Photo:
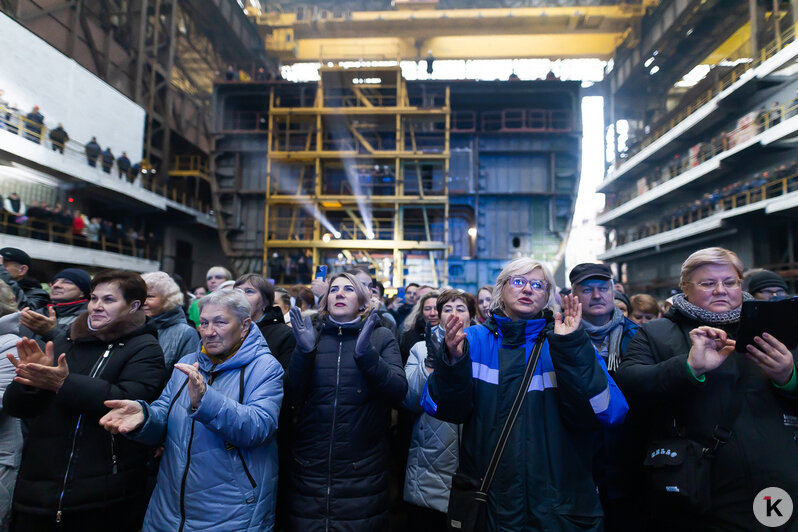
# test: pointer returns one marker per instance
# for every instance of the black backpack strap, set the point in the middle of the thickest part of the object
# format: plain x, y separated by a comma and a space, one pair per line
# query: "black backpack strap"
515, 409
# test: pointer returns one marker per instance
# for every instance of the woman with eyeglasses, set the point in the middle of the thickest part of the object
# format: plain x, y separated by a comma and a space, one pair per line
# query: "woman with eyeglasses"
684, 373
544, 479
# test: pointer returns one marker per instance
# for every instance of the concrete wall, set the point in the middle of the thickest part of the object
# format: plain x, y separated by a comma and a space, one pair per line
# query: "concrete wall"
34, 73
206, 251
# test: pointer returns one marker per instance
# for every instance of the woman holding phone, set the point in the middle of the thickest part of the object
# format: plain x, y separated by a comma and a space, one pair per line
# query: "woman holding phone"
684, 372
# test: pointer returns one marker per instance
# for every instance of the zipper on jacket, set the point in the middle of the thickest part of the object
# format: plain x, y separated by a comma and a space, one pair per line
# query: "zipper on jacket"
332, 431
113, 456
183, 480
94, 372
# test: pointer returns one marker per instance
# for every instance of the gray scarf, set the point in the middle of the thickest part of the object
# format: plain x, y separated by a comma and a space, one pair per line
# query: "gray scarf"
613, 328
707, 316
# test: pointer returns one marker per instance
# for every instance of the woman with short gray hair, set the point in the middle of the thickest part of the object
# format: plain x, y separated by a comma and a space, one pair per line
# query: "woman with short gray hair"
163, 305
217, 419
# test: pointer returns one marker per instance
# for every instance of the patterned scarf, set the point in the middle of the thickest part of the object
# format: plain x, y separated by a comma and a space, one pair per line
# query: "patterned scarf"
613, 328
707, 316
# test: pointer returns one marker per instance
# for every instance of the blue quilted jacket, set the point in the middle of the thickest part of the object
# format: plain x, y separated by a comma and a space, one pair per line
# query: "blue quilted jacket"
219, 468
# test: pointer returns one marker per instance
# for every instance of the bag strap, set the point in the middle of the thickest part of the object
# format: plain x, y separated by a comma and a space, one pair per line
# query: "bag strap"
504, 436
723, 431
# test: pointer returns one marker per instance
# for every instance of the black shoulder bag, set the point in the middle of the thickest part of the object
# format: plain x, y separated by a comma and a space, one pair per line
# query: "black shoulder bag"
468, 497
679, 469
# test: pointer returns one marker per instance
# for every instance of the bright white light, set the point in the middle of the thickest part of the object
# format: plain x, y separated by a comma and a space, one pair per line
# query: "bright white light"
654, 70
472, 232
648, 62
370, 235
326, 237
337, 234
694, 76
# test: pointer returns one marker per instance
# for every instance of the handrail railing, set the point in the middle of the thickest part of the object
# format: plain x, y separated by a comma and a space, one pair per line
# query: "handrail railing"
740, 67
18, 124
771, 117
709, 205
47, 230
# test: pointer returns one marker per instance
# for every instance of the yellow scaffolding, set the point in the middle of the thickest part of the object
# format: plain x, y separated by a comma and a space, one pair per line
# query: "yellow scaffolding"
365, 169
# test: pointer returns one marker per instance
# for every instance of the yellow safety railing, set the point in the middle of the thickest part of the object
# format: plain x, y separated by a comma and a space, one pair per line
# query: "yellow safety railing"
739, 68
766, 119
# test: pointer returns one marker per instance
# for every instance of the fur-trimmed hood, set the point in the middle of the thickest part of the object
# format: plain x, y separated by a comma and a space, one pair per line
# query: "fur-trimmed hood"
125, 326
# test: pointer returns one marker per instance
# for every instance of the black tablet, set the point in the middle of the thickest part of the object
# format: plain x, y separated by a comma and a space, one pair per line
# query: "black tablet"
777, 318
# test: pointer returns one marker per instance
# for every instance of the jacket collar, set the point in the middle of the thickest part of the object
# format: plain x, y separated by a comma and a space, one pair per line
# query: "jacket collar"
518, 332
9, 324
271, 316
166, 319
123, 327
70, 308
345, 329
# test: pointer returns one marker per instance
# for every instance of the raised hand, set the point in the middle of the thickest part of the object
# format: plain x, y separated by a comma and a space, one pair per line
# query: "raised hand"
711, 348
38, 323
31, 371
196, 382
125, 416
29, 352
773, 357
570, 318
455, 336
364, 338
303, 330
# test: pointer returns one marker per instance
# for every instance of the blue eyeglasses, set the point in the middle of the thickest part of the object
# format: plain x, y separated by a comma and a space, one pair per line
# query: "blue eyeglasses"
519, 282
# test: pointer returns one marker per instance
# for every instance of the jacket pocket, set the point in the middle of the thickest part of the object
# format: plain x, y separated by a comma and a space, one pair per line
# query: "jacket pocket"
242, 474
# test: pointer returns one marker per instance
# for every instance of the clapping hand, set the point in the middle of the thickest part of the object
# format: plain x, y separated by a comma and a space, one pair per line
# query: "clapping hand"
35, 368
364, 338
303, 330
773, 357
455, 336
570, 318
125, 416
196, 382
711, 347
38, 323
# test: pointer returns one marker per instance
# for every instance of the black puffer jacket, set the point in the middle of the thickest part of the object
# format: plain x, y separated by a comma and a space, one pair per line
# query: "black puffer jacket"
102, 470
340, 449
762, 451
278, 335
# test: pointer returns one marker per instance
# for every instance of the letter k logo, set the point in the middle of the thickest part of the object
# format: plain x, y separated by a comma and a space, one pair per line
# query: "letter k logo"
772, 507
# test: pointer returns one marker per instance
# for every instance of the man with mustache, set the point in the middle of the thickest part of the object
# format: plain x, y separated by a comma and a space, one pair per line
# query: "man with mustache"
610, 332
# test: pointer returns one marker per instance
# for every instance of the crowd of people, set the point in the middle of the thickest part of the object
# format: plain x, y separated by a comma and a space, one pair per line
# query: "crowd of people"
706, 149
760, 186
34, 129
130, 401
62, 224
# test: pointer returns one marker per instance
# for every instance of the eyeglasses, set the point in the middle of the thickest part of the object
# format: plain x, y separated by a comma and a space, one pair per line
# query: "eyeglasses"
710, 284
519, 282
773, 292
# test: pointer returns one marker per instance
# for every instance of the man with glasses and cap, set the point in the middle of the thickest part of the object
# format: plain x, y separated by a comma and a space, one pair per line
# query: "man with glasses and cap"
766, 285
610, 332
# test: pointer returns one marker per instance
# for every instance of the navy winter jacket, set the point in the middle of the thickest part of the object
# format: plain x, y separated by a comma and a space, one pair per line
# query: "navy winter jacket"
544, 479
340, 438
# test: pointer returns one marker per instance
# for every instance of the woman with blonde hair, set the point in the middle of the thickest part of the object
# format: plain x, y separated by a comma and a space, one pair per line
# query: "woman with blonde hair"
484, 295
734, 407
342, 381
544, 477
164, 308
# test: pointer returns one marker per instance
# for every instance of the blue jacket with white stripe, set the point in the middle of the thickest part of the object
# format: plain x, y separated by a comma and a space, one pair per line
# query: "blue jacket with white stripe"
544, 479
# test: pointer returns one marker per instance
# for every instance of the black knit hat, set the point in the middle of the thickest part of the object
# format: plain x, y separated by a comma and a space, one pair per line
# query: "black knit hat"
79, 277
765, 279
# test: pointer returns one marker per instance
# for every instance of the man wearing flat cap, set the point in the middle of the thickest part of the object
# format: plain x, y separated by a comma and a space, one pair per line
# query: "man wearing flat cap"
17, 263
70, 290
766, 285
610, 332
